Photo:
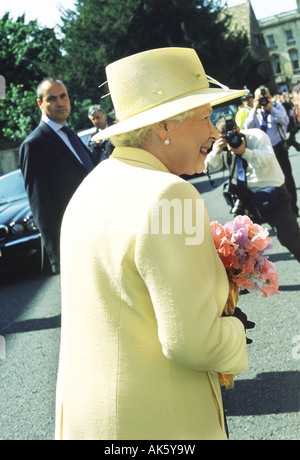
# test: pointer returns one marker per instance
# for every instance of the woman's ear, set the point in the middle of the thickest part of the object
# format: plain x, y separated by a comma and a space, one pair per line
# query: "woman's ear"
162, 130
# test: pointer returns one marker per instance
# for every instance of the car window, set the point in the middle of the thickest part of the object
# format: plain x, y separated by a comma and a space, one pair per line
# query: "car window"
223, 111
85, 138
12, 187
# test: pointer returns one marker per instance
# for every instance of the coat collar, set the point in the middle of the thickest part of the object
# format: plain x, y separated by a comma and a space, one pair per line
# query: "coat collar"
138, 157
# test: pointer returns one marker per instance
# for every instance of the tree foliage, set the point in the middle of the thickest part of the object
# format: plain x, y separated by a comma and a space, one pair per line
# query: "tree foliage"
102, 31
27, 54
98, 32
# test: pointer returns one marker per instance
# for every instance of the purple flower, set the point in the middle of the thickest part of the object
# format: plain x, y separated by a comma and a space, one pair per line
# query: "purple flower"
238, 231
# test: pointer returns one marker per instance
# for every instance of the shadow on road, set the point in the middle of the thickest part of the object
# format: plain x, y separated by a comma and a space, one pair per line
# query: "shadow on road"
29, 325
268, 393
17, 289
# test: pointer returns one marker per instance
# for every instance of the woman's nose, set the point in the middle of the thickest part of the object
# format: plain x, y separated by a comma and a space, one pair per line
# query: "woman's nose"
214, 132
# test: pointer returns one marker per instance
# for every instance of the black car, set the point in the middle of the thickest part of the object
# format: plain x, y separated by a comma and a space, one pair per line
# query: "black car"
20, 240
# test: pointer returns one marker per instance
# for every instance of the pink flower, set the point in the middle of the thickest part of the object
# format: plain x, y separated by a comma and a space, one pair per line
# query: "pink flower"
240, 245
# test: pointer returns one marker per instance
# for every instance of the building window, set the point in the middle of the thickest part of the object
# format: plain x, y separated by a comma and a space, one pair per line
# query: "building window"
259, 39
271, 41
276, 64
289, 36
294, 59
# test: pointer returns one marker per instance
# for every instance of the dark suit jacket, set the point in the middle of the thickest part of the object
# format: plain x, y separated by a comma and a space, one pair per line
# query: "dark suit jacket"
104, 150
52, 173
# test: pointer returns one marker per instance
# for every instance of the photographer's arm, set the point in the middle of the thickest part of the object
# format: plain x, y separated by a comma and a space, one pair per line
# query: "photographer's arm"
280, 115
252, 121
259, 152
214, 160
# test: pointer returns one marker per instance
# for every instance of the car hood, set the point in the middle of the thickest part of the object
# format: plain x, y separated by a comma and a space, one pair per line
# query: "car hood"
14, 212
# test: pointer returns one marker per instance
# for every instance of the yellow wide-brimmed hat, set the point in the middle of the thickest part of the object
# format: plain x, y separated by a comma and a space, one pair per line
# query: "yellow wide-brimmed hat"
155, 85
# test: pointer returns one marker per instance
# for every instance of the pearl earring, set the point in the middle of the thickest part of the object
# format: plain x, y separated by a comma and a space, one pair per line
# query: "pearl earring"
167, 141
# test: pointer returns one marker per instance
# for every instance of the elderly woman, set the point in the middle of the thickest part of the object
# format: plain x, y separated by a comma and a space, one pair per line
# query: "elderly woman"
143, 290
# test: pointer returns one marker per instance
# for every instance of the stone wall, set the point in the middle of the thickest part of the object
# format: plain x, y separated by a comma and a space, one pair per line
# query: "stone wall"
9, 157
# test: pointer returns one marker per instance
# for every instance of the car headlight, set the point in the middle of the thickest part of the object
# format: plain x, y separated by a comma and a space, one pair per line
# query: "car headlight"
30, 224
17, 228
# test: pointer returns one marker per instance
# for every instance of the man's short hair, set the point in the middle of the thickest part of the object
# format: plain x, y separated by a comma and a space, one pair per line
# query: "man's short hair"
47, 79
95, 108
222, 124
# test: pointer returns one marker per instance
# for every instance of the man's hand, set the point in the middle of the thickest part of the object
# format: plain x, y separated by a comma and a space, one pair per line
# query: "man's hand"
220, 145
256, 104
241, 150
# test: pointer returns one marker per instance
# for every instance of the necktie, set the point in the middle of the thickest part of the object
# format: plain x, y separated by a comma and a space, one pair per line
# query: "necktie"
264, 124
241, 171
76, 144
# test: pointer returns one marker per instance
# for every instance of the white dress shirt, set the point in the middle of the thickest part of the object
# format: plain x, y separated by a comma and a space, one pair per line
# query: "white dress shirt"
263, 168
57, 129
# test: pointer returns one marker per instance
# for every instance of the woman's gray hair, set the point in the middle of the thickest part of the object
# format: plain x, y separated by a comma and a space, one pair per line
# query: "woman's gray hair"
138, 137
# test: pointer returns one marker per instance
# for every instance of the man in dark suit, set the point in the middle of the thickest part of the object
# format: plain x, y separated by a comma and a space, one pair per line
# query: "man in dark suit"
54, 162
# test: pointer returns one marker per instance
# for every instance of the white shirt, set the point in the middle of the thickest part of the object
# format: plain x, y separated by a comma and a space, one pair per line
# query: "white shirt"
263, 168
57, 129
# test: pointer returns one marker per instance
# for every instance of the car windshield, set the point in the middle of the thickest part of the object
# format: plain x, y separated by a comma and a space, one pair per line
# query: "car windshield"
12, 187
223, 111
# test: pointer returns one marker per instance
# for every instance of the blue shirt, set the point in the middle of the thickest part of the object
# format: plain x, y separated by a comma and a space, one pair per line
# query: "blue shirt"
277, 115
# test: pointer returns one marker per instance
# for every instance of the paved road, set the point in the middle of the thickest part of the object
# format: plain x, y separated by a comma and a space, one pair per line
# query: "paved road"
264, 404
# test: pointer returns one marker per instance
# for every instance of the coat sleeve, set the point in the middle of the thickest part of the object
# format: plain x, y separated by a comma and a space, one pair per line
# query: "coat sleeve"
187, 284
40, 195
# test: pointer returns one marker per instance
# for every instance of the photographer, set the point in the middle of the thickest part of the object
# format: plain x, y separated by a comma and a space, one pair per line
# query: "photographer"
256, 180
273, 120
293, 127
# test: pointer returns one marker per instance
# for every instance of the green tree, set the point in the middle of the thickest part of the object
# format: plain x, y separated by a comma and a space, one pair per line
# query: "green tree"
27, 51
27, 54
102, 31
19, 113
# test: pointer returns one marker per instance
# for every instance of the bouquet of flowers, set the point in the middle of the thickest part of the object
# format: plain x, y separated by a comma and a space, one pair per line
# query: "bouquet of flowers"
241, 246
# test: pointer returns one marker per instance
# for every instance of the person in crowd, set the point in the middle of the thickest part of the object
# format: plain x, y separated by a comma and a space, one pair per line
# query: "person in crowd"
293, 127
103, 148
259, 173
143, 336
273, 120
244, 110
54, 162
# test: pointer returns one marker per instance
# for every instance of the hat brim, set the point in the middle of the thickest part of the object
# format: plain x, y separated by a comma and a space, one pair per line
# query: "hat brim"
169, 109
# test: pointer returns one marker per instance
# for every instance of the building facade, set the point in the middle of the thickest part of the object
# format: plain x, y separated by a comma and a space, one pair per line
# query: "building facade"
243, 17
282, 36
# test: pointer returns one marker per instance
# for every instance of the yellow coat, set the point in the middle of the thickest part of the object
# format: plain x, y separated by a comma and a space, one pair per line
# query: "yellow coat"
142, 336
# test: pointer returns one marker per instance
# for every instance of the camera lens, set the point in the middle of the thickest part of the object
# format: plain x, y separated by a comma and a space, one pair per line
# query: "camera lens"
234, 139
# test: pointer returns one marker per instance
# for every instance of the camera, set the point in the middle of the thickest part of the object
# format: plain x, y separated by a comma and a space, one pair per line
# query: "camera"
263, 100
233, 137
